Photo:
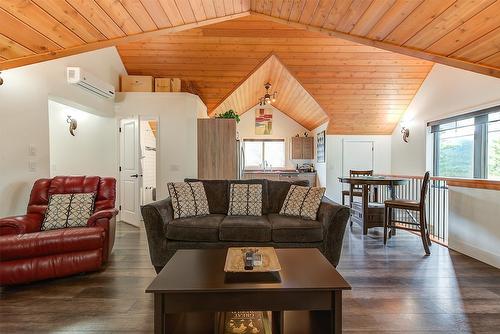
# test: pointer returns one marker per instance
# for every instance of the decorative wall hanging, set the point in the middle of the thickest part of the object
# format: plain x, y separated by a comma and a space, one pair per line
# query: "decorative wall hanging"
320, 146
263, 121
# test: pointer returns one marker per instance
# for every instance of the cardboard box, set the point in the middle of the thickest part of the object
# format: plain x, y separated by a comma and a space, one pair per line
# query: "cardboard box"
167, 85
163, 85
136, 83
175, 85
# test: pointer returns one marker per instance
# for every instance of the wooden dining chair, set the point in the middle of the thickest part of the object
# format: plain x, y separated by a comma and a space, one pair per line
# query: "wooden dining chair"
419, 225
358, 189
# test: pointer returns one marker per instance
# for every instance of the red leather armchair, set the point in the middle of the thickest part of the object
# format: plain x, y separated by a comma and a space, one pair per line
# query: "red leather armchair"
28, 254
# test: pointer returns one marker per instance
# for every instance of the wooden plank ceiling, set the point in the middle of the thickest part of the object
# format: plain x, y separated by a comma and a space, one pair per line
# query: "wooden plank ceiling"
327, 45
292, 98
362, 89
37, 30
461, 33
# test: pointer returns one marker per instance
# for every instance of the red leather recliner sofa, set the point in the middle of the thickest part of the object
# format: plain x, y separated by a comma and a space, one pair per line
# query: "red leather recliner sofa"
28, 254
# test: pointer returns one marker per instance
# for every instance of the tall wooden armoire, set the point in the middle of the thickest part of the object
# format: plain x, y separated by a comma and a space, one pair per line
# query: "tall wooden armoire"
217, 151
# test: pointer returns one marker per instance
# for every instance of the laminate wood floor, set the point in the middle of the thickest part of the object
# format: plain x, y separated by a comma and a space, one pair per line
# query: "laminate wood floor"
395, 290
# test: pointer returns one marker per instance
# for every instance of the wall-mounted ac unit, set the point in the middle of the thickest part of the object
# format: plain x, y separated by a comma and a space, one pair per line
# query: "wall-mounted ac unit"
77, 76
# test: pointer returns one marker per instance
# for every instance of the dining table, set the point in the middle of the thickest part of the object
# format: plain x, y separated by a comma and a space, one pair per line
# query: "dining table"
369, 212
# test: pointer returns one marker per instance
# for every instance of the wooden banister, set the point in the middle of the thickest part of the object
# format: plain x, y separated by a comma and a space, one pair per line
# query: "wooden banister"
457, 182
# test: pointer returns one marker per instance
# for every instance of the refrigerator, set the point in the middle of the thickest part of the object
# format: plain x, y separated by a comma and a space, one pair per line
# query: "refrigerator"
240, 159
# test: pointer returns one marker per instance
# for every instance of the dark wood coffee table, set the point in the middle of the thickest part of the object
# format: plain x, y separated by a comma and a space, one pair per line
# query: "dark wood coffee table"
190, 290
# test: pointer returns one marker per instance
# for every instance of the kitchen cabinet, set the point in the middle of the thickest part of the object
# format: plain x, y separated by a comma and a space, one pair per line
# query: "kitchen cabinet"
302, 148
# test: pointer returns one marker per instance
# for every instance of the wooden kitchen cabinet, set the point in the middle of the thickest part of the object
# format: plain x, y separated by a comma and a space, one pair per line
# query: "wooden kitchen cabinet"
302, 148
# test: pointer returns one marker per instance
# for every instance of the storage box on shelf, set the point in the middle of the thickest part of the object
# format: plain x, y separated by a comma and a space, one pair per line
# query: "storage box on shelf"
167, 85
136, 83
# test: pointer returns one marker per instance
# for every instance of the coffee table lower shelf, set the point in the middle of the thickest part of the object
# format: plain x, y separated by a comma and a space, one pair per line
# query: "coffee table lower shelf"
297, 322
282, 322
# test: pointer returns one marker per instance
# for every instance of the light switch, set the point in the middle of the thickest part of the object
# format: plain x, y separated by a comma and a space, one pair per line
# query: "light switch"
32, 166
31, 150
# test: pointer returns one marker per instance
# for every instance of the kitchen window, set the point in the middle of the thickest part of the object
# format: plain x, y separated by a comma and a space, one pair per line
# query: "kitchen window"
264, 153
468, 146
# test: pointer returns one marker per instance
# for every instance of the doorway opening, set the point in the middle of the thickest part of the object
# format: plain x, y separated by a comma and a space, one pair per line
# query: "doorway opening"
138, 166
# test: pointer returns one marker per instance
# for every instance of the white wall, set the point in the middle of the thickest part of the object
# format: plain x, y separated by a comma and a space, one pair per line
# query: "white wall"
445, 92
283, 128
177, 131
25, 118
334, 160
474, 230
92, 151
321, 176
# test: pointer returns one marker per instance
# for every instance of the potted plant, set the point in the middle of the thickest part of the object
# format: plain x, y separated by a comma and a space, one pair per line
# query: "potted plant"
229, 114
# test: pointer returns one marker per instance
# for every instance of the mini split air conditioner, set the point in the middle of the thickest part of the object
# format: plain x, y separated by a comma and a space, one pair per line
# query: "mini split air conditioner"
77, 76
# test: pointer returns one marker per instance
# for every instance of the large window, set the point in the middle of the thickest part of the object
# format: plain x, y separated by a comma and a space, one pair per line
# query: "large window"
268, 153
468, 146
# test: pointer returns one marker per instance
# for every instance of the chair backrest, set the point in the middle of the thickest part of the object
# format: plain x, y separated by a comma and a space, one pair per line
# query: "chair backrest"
424, 188
354, 173
104, 187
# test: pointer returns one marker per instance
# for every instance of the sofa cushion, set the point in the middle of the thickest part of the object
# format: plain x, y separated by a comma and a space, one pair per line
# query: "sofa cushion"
302, 202
217, 194
68, 210
245, 200
188, 199
262, 182
293, 229
245, 228
205, 228
277, 190
68, 240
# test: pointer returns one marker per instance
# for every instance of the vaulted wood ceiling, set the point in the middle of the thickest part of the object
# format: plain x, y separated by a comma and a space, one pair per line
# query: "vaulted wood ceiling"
348, 54
362, 89
292, 99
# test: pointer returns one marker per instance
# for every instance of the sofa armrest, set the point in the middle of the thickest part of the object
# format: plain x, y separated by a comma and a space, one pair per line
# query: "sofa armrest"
29, 223
156, 216
107, 220
334, 218
103, 214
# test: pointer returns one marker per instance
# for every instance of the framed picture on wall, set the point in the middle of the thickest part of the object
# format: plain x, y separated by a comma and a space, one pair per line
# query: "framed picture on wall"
320, 147
263, 121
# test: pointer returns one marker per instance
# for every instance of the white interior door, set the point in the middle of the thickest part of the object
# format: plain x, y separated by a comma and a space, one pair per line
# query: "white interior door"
356, 155
130, 171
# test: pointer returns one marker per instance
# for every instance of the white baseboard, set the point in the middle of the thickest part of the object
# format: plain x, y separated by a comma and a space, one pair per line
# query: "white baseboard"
474, 252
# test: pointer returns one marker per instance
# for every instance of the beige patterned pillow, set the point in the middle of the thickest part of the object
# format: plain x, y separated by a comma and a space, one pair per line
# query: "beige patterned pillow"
68, 210
188, 199
302, 202
245, 199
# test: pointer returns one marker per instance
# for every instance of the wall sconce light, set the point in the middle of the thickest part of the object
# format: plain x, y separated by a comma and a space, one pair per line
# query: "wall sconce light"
1, 80
406, 133
72, 124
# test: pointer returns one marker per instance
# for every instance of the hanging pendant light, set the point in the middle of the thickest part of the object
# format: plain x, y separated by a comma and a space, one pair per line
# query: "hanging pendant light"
268, 98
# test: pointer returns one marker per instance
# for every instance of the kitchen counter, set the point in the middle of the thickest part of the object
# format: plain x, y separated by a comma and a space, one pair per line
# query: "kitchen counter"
287, 171
281, 175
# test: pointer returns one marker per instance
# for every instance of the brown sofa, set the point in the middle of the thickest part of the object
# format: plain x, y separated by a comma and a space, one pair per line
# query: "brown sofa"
216, 230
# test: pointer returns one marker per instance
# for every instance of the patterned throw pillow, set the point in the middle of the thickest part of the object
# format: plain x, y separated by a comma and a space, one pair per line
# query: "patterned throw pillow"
68, 210
188, 199
245, 199
302, 202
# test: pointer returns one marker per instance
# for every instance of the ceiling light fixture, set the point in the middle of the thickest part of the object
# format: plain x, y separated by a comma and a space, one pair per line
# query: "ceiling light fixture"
1, 80
268, 98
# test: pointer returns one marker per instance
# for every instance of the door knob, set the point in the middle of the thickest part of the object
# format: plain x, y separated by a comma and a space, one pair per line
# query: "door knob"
135, 175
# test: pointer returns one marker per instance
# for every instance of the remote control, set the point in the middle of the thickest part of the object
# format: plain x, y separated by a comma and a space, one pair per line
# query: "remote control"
249, 261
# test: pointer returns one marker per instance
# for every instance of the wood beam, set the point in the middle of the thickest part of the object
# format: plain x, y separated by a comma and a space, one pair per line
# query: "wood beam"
40, 57
465, 65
